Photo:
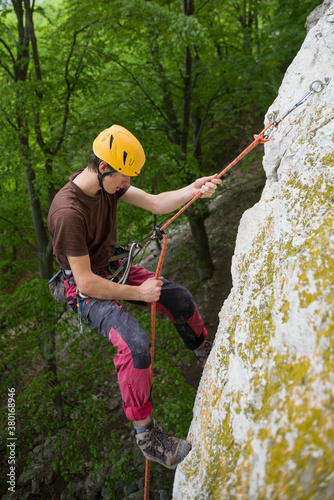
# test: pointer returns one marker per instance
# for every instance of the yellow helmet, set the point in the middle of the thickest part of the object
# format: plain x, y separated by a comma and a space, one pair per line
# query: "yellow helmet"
120, 149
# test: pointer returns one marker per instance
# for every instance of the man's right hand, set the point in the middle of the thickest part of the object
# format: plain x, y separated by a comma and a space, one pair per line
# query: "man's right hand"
95, 286
151, 290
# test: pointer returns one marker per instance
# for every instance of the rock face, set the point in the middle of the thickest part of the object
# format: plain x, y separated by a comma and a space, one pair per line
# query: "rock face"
263, 425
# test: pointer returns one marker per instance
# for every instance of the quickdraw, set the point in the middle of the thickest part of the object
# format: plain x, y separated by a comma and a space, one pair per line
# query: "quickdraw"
315, 88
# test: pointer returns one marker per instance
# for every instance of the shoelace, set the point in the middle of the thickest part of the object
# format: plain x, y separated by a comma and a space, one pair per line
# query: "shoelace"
157, 436
205, 350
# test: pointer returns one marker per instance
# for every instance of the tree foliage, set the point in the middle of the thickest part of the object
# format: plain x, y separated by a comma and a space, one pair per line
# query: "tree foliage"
182, 76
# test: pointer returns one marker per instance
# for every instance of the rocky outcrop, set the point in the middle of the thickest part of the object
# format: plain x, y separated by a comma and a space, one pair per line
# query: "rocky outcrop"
263, 425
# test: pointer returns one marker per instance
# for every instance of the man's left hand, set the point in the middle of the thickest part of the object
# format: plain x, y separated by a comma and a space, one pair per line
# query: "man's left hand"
207, 185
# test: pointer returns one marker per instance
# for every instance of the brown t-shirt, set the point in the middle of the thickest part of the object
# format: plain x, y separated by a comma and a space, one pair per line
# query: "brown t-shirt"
80, 224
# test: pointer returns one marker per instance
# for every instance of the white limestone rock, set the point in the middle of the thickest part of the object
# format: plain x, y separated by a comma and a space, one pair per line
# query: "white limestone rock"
263, 425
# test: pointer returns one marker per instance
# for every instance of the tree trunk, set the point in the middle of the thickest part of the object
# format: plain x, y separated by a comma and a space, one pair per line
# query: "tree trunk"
47, 336
48, 350
201, 243
44, 248
51, 190
186, 101
194, 214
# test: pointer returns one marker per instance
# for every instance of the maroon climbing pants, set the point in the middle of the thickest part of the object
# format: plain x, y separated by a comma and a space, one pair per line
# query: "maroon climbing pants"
121, 329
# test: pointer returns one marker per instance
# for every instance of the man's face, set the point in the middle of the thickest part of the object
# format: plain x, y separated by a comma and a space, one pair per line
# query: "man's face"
115, 182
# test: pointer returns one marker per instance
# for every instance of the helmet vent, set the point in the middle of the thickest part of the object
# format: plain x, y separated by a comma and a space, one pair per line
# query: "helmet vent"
125, 154
111, 140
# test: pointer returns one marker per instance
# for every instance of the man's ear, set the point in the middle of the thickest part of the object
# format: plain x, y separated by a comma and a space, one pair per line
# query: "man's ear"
103, 167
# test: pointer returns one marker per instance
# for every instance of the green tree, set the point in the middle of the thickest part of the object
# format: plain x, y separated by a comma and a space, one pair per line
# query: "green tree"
40, 85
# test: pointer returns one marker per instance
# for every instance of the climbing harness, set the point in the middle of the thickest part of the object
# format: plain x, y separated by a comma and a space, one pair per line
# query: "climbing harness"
119, 273
264, 136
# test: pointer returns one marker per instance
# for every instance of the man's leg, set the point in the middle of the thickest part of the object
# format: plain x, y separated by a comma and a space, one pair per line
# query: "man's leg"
178, 303
132, 364
181, 308
133, 359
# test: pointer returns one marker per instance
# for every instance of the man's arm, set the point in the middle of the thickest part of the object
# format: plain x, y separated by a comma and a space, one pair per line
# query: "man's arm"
95, 286
166, 202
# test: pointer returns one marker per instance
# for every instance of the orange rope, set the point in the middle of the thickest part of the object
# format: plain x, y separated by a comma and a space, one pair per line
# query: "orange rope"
153, 315
258, 139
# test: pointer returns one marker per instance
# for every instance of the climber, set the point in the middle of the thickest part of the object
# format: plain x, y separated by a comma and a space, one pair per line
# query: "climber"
82, 225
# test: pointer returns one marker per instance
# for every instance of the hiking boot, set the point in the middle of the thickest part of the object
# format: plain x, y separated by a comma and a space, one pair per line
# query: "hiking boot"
157, 446
203, 353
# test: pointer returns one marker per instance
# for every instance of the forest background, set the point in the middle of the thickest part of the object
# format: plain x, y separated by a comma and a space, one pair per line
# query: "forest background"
186, 78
